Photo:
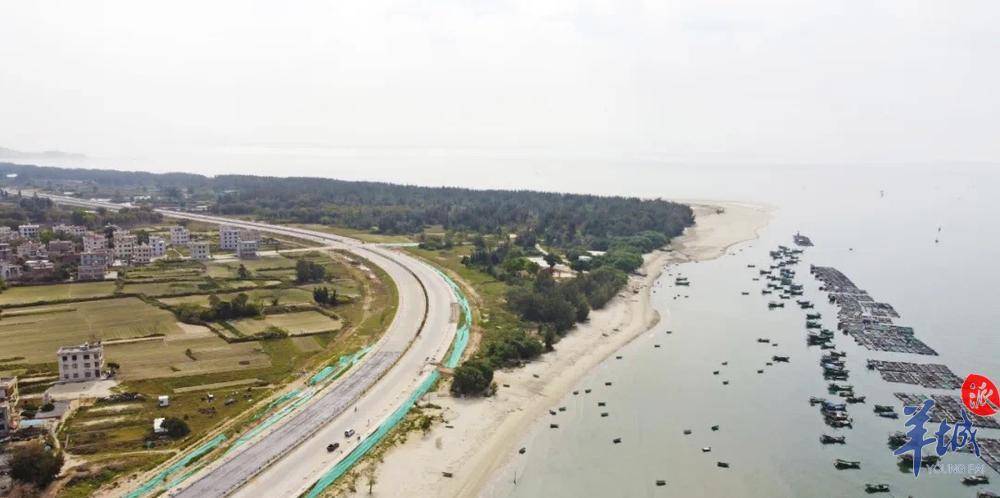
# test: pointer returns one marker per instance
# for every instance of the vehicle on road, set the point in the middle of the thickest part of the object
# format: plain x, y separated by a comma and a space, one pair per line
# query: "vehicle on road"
348, 433
330, 448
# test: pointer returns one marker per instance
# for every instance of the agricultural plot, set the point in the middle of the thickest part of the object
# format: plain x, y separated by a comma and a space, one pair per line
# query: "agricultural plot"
59, 292
296, 323
197, 353
284, 296
37, 332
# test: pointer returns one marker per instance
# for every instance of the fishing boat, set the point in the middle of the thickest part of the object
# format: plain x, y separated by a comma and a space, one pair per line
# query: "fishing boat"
876, 488
783, 359
975, 480
616, 440
897, 439
884, 408
906, 460
813, 400
774, 304
687, 431
661, 482
855, 399
846, 464
724, 465
813, 316
825, 439
813, 325
762, 339
706, 449
892, 415
715, 427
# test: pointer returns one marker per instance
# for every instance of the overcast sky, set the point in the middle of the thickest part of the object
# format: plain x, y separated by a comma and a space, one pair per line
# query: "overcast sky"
223, 86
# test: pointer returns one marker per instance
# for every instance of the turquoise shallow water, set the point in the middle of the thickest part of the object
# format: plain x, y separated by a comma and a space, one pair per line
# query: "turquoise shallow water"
768, 431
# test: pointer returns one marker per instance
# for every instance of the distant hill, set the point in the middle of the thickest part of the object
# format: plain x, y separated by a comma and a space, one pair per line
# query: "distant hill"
6, 153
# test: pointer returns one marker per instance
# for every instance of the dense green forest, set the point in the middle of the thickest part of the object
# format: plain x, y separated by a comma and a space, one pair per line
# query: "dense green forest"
561, 220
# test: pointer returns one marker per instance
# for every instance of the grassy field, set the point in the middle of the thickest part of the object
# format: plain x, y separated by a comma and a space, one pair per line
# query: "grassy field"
58, 292
297, 323
39, 331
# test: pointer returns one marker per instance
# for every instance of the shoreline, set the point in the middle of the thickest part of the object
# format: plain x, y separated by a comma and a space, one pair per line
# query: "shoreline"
482, 435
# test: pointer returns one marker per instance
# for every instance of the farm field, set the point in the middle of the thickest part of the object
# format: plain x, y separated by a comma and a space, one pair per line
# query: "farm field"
58, 292
285, 296
296, 323
36, 333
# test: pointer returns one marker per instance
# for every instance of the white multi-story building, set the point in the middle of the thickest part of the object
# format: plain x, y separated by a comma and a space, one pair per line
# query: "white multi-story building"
6, 234
74, 230
93, 265
6, 254
199, 250
142, 254
179, 236
94, 242
229, 237
80, 363
246, 249
28, 231
158, 245
124, 245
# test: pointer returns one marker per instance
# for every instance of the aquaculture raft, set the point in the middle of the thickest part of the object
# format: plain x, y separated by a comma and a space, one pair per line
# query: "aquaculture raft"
930, 375
947, 408
868, 321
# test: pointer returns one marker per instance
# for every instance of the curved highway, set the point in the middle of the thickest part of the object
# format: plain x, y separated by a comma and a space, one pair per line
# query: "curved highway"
288, 459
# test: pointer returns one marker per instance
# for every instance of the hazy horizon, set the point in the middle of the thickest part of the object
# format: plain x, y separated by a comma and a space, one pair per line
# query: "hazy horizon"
325, 90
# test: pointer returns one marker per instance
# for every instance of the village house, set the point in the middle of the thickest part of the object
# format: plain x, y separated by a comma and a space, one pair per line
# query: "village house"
59, 248
199, 250
94, 241
158, 245
142, 254
74, 230
30, 249
28, 231
93, 265
80, 363
124, 245
247, 249
5, 253
179, 236
10, 271
8, 405
6, 234
229, 237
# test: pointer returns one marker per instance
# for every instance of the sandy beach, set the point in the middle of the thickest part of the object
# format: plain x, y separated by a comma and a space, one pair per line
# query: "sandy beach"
481, 435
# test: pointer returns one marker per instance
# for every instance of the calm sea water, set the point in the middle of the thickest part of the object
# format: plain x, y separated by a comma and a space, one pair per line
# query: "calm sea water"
768, 431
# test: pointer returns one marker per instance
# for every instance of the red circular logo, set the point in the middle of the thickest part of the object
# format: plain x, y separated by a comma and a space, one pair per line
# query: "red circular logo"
980, 395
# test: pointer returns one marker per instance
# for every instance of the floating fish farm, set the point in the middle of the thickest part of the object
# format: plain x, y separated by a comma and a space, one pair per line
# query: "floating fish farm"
867, 321
931, 375
989, 452
947, 408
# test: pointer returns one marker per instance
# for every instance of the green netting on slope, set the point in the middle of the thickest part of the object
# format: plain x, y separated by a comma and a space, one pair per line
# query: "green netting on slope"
343, 364
299, 397
461, 340
161, 478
